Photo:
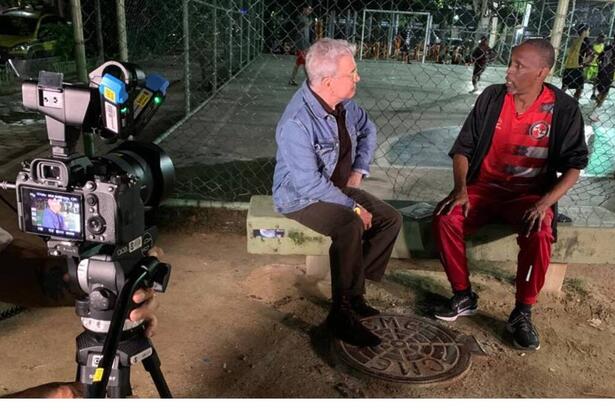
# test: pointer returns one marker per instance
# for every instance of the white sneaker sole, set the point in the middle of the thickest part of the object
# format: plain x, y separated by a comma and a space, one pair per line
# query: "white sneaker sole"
468, 312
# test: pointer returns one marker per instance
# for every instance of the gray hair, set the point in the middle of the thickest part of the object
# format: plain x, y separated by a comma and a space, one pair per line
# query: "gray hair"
324, 55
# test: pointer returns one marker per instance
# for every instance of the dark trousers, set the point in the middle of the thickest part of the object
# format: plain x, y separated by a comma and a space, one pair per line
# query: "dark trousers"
355, 253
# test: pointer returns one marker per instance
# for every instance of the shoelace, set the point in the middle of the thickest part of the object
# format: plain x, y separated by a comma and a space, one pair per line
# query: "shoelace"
457, 300
524, 322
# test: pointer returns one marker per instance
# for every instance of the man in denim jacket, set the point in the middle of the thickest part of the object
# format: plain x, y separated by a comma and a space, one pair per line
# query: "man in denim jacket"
325, 144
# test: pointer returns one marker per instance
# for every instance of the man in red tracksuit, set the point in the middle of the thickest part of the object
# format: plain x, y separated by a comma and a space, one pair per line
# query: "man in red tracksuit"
518, 136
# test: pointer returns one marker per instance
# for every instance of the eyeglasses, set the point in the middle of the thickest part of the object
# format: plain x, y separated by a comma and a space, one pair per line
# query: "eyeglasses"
353, 75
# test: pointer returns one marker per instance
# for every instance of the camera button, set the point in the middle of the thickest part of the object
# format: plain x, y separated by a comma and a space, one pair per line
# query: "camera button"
91, 200
96, 225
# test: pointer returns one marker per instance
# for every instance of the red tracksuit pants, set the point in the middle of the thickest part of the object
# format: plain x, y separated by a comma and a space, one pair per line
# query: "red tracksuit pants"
489, 202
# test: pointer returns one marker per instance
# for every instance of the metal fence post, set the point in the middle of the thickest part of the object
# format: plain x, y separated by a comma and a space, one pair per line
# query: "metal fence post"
262, 14
215, 50
82, 71
355, 16
249, 18
241, 16
558, 27
390, 35
574, 4
331, 23
542, 13
612, 20
122, 35
426, 42
186, 30
99, 33
362, 36
230, 45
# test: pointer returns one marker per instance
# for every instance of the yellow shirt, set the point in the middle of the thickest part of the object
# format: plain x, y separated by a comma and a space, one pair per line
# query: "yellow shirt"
572, 60
598, 49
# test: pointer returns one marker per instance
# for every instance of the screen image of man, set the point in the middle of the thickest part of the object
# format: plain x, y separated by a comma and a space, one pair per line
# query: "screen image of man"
52, 218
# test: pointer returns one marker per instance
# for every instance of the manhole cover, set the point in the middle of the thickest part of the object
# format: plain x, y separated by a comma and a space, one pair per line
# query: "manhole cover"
413, 350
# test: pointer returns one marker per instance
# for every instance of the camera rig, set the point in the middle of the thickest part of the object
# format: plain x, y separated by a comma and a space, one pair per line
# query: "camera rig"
93, 212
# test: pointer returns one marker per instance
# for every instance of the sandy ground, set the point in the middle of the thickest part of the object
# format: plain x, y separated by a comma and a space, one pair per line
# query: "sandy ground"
239, 325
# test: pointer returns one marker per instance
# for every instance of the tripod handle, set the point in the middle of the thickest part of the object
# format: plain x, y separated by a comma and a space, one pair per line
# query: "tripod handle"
134, 282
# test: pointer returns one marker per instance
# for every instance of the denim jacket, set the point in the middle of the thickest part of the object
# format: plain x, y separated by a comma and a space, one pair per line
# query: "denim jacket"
308, 151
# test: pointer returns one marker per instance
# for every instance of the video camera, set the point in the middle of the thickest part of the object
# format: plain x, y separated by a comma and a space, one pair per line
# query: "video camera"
104, 199
93, 211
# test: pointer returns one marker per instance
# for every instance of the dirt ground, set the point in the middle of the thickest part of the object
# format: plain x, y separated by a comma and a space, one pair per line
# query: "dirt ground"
239, 325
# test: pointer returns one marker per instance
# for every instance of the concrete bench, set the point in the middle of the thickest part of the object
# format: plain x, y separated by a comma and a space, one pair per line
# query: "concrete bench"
271, 233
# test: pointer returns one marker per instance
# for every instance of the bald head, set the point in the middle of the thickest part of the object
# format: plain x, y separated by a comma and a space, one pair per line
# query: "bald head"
543, 48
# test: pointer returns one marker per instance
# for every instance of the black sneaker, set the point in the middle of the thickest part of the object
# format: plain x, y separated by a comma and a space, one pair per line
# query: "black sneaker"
359, 305
345, 325
524, 334
561, 218
459, 306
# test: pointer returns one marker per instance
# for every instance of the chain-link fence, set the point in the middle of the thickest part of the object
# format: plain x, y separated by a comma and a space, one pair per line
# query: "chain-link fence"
230, 62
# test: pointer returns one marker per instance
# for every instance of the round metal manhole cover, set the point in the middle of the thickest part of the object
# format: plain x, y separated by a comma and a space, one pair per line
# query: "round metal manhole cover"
413, 350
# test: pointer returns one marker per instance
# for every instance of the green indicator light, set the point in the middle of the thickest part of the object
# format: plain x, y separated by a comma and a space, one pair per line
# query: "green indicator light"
157, 100
124, 110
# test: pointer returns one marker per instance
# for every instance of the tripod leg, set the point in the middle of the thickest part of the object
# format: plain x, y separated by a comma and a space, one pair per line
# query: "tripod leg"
152, 365
121, 389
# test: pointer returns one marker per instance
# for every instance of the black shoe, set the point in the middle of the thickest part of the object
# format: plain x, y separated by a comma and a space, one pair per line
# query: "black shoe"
523, 332
359, 305
345, 325
561, 218
459, 306
292, 82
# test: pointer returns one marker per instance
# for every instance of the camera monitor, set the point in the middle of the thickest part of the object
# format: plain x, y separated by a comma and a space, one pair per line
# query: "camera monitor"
57, 214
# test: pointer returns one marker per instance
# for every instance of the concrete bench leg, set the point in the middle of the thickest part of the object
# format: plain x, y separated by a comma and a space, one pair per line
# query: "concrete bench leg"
317, 267
555, 278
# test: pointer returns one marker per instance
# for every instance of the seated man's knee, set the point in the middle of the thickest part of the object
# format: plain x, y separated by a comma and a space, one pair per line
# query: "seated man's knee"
544, 234
394, 219
398, 220
444, 220
352, 225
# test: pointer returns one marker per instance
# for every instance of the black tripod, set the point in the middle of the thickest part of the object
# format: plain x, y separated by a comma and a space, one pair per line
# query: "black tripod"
104, 356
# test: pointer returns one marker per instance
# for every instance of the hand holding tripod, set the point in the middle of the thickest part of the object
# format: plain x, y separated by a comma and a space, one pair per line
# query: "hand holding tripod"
107, 348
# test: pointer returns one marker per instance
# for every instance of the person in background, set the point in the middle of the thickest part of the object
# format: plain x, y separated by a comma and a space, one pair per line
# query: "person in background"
591, 72
604, 79
481, 56
579, 55
302, 43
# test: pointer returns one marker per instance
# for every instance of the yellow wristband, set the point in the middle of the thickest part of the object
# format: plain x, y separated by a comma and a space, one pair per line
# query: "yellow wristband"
357, 210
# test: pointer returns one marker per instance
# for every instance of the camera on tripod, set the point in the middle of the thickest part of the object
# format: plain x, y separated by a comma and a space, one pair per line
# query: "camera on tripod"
93, 211
103, 199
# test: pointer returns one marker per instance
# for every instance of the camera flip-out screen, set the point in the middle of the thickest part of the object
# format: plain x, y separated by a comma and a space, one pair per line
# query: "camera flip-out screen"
52, 213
